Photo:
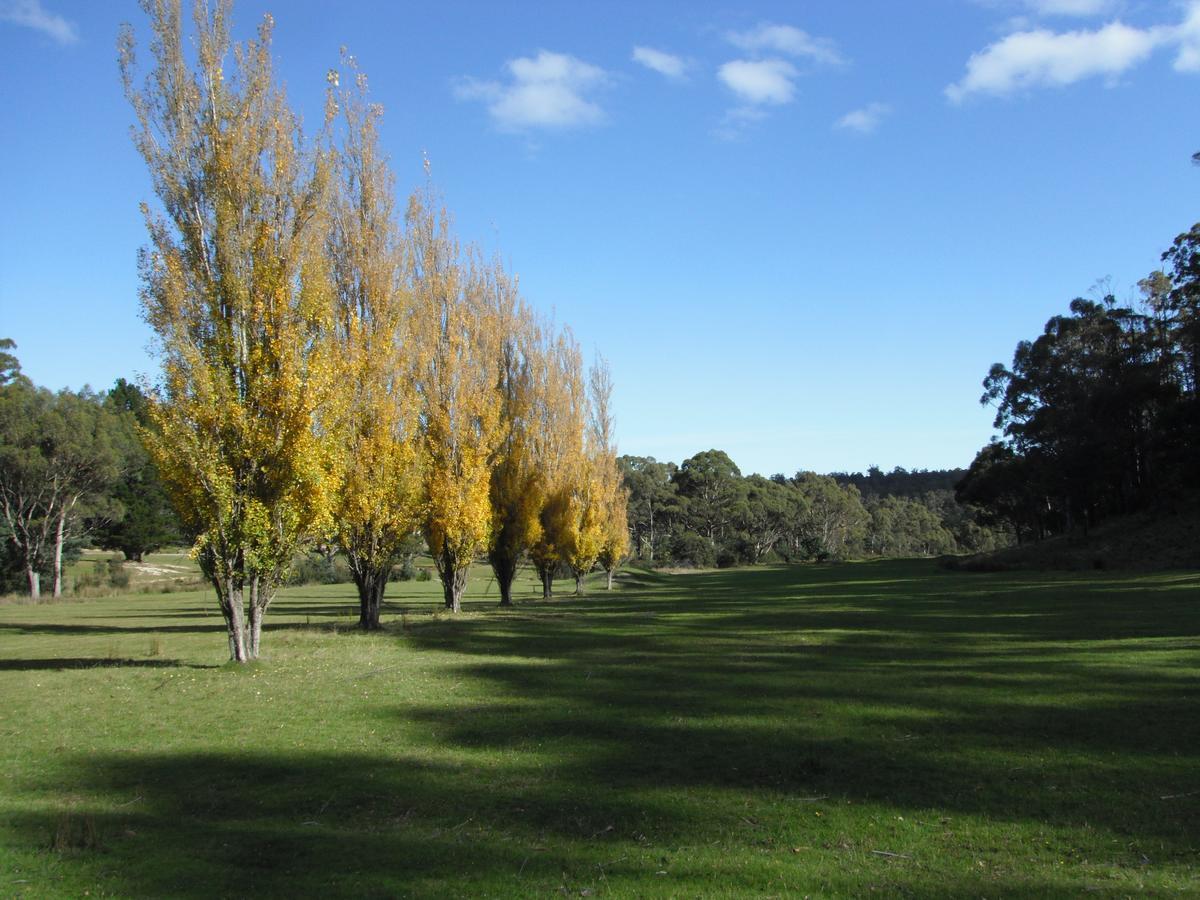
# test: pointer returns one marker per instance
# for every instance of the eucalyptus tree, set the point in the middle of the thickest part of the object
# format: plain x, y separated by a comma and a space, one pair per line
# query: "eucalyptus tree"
57, 464
147, 521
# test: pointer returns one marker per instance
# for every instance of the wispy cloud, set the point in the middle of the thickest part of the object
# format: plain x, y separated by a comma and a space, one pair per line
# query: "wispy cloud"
765, 79
1187, 35
1039, 57
1080, 8
1042, 58
1025, 12
762, 82
865, 120
785, 39
31, 14
547, 91
667, 64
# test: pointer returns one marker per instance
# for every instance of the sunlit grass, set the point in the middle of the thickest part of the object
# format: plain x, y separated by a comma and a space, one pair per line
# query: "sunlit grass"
880, 728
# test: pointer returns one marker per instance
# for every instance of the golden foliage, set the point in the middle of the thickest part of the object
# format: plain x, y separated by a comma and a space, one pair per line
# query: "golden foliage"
461, 429
377, 460
557, 451
325, 371
517, 489
236, 291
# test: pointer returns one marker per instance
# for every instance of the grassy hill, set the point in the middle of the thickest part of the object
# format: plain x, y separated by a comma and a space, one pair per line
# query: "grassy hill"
881, 728
1146, 542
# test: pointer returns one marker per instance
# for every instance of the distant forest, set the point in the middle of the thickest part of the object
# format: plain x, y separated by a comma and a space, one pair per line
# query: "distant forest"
704, 512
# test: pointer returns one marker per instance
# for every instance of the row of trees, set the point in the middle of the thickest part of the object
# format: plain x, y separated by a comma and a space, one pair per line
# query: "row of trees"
704, 512
1100, 414
72, 468
330, 367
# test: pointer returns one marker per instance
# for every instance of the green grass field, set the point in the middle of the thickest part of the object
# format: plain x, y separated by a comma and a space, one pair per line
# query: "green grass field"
877, 728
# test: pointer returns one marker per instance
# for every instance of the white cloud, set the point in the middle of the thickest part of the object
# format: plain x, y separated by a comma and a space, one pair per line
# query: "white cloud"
1040, 58
1188, 37
31, 14
667, 64
545, 91
761, 81
785, 39
1071, 7
864, 120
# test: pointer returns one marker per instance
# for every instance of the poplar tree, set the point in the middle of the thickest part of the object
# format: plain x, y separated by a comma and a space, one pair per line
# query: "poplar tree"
377, 505
517, 482
461, 429
610, 494
560, 429
235, 288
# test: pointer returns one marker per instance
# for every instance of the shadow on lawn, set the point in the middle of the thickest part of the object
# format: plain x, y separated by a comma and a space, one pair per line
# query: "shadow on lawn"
93, 662
667, 718
996, 704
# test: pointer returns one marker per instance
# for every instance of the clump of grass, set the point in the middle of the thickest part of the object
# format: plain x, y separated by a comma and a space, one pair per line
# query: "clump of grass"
156, 647
74, 832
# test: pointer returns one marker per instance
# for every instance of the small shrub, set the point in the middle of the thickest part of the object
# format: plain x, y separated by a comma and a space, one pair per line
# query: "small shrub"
406, 571
316, 568
424, 575
692, 549
86, 581
117, 576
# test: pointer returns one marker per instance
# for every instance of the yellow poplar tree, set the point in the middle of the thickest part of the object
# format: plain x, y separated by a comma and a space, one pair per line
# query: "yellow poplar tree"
236, 292
611, 497
377, 505
517, 485
457, 380
559, 418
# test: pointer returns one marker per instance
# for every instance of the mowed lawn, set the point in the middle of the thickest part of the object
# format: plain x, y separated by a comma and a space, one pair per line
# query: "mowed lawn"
885, 728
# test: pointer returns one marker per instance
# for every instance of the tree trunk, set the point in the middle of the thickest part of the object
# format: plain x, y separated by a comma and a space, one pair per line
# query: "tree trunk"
454, 582
35, 582
58, 548
260, 599
256, 620
254, 623
229, 597
505, 569
546, 576
610, 573
578, 584
371, 584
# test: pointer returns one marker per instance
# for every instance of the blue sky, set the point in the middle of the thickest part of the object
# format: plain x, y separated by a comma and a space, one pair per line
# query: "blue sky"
800, 232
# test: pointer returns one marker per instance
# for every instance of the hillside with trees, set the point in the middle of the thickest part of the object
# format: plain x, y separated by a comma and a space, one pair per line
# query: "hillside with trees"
704, 512
1099, 414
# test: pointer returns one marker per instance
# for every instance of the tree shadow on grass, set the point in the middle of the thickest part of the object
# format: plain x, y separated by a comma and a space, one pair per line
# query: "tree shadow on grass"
93, 662
337, 825
1024, 704
618, 729
60, 628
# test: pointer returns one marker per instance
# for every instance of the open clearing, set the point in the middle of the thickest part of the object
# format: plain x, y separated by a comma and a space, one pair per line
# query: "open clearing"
883, 728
